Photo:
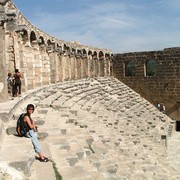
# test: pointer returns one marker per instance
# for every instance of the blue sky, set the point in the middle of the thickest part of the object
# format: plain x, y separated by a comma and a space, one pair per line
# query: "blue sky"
119, 25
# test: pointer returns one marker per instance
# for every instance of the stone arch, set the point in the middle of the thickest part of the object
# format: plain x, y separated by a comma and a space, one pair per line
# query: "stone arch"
49, 45
24, 35
66, 48
73, 50
41, 40
60, 48
130, 68
32, 36
84, 52
89, 54
49, 42
150, 68
79, 53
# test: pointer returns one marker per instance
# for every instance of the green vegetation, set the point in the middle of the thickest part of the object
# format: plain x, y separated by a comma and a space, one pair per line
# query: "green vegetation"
81, 126
58, 176
91, 149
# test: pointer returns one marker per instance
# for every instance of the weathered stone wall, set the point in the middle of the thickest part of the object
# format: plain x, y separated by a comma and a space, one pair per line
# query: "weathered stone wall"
43, 59
3, 84
164, 87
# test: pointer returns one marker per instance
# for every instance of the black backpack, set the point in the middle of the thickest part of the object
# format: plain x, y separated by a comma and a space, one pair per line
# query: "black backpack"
21, 127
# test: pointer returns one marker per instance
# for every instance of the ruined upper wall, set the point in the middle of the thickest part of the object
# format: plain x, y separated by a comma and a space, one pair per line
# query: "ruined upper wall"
41, 58
15, 21
163, 87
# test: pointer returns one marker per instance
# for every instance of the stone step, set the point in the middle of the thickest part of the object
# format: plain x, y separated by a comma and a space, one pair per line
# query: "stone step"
98, 128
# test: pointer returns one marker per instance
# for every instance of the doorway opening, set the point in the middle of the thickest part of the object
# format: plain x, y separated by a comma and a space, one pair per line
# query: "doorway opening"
178, 126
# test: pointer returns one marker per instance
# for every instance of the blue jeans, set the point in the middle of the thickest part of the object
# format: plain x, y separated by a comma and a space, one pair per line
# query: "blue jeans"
31, 134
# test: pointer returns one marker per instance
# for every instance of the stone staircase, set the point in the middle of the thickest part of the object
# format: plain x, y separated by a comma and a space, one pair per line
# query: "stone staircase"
92, 129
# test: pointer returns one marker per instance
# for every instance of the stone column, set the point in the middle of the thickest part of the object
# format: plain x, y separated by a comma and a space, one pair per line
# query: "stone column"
101, 67
72, 68
91, 69
69, 66
45, 67
66, 67
81, 68
105, 66
84, 67
75, 68
3, 74
52, 66
95, 67
61, 66
88, 67
78, 60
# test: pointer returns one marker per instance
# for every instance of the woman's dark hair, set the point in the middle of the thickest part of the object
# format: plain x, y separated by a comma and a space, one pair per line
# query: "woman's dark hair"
30, 106
16, 70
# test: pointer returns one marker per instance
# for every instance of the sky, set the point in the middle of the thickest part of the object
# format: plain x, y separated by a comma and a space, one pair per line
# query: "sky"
120, 25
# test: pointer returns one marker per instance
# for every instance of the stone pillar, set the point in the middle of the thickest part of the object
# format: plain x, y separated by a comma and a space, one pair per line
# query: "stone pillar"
56, 57
61, 67
78, 62
72, 68
63, 58
66, 67
69, 67
45, 67
52, 67
90, 60
101, 67
84, 66
107, 66
3, 74
30, 70
95, 67
58, 70
81, 68
88, 67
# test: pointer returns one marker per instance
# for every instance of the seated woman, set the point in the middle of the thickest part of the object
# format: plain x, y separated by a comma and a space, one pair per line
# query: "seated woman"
31, 134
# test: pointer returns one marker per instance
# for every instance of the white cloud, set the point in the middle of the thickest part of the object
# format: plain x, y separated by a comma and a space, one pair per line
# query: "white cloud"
114, 25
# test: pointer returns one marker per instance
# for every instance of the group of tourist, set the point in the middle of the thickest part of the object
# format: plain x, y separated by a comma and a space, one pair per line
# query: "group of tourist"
163, 109
14, 83
14, 89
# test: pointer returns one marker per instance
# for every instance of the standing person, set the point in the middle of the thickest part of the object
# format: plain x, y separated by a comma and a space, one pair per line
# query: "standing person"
164, 109
9, 83
31, 134
159, 107
17, 78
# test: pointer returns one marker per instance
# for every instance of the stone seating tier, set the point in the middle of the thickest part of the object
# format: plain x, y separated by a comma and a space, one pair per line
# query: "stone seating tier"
93, 129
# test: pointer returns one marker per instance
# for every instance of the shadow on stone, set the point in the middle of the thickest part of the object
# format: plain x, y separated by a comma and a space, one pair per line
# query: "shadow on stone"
41, 136
23, 166
4, 117
39, 122
11, 130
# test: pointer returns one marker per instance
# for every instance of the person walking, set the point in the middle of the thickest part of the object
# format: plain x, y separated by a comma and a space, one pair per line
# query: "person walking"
9, 83
164, 109
31, 134
17, 77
